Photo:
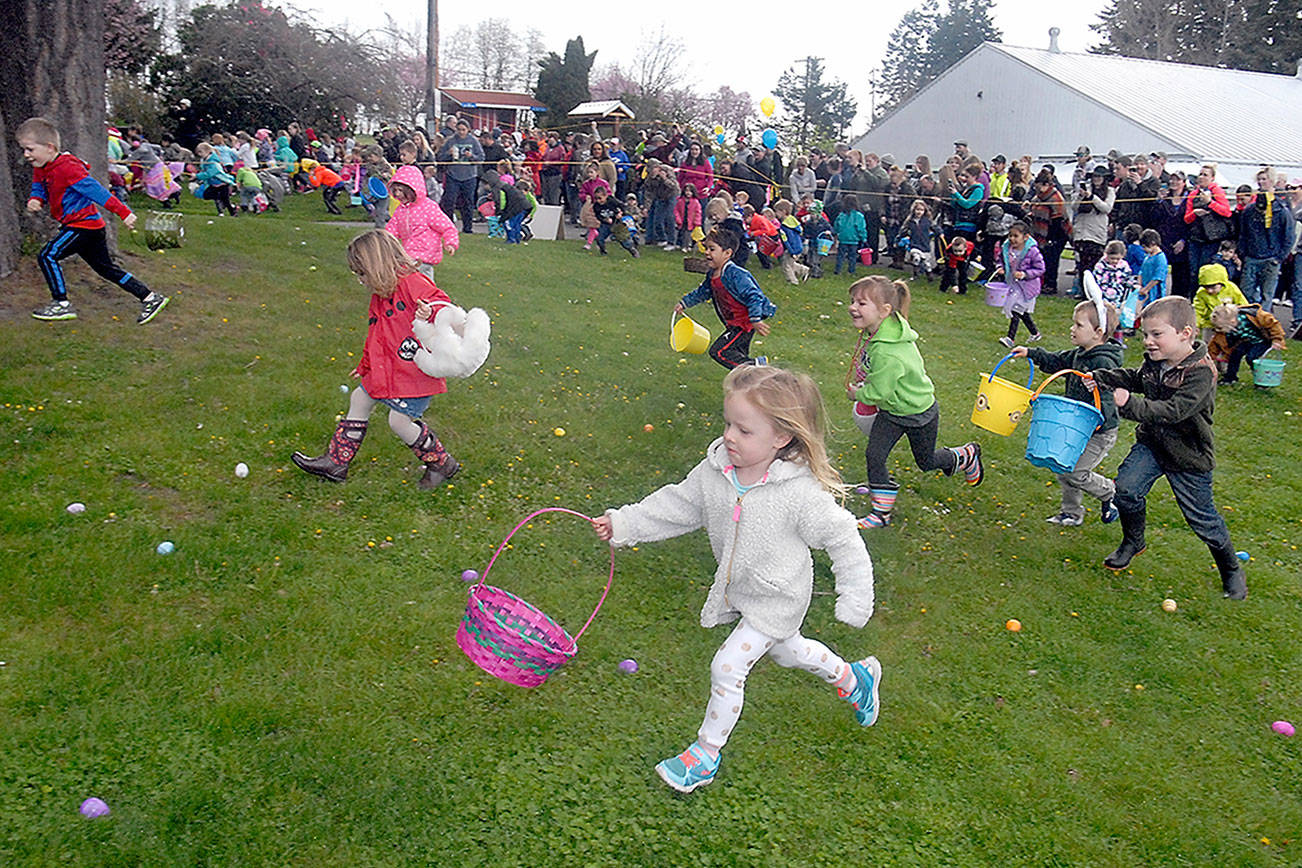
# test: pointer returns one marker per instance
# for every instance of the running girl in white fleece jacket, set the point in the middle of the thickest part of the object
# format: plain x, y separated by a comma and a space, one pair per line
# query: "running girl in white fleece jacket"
764, 494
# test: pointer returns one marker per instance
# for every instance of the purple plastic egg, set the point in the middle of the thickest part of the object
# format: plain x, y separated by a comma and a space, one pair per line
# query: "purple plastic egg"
94, 807
470, 576
863, 489
629, 666
1283, 727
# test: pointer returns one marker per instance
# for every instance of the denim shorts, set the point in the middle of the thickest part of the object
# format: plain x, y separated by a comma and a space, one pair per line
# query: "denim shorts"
413, 407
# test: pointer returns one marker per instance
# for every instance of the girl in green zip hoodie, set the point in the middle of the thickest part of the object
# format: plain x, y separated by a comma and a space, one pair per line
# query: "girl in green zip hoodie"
887, 373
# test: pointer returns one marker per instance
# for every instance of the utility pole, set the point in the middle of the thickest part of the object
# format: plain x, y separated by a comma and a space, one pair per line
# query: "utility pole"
432, 107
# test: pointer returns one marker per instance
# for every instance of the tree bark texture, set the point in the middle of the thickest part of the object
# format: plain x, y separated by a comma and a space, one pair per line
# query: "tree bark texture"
51, 64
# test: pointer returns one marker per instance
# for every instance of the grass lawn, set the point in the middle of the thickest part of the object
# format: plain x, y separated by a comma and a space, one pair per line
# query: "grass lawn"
284, 689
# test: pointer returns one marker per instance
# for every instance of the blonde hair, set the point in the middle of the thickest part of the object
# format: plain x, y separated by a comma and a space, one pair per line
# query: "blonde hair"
882, 290
783, 205
1225, 317
378, 260
39, 130
1091, 312
794, 405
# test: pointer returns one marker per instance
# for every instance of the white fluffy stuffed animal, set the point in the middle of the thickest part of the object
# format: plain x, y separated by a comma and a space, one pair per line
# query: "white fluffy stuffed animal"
454, 343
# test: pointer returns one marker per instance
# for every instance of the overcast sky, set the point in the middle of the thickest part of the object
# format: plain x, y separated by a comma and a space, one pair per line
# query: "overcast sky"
722, 45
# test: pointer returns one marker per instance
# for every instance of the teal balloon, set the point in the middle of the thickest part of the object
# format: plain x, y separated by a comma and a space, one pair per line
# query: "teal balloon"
770, 138
719, 138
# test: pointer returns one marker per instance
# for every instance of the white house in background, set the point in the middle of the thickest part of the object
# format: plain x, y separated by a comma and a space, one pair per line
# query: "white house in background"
1046, 103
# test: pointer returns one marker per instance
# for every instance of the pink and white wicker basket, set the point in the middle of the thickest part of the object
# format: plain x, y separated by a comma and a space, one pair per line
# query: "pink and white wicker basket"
511, 639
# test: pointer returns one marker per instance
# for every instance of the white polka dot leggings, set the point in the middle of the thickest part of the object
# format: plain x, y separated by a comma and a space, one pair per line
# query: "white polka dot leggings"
738, 655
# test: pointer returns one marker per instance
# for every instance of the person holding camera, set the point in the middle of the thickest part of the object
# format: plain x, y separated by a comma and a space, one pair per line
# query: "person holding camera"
463, 155
1091, 203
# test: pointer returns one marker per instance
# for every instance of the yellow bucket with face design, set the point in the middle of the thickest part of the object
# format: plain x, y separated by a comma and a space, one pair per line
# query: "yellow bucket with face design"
999, 403
687, 335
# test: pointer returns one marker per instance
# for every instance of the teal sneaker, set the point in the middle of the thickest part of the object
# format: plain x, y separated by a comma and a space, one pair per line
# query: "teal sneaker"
863, 699
690, 769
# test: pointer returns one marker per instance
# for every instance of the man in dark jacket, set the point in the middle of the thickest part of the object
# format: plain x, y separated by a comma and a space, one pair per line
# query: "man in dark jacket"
1266, 234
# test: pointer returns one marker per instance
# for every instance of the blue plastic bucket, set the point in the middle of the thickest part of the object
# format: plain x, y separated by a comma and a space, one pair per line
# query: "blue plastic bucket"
1267, 372
1060, 428
378, 188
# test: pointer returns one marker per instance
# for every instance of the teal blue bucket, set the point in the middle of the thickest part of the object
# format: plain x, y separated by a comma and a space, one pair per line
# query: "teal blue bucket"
1267, 372
1060, 428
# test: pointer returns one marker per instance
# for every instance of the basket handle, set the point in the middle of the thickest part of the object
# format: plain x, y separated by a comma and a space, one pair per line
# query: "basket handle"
537, 512
1098, 404
1030, 378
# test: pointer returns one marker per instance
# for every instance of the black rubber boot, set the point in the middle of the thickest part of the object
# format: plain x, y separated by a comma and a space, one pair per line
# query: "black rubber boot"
1132, 541
1234, 583
333, 465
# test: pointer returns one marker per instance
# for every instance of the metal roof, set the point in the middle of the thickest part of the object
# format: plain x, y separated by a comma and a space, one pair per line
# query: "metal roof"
502, 99
1224, 114
602, 108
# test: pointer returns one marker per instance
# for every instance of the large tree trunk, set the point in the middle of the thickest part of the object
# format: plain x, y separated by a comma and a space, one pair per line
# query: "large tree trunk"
51, 64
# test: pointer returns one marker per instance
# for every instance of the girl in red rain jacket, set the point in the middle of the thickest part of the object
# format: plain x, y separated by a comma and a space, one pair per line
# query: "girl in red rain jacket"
387, 370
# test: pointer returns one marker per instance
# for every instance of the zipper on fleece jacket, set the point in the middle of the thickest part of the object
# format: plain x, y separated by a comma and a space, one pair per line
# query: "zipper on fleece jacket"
732, 553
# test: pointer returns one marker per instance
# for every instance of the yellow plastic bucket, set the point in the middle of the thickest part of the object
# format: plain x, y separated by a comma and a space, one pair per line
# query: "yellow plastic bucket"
999, 403
687, 335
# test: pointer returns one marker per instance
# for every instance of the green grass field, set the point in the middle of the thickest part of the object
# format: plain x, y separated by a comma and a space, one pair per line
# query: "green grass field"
285, 688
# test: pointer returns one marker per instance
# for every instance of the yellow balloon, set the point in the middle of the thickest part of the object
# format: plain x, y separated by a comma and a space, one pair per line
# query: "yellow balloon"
718, 129
767, 106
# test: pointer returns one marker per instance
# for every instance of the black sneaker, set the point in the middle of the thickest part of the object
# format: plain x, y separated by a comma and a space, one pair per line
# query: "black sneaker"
1108, 512
150, 307
61, 309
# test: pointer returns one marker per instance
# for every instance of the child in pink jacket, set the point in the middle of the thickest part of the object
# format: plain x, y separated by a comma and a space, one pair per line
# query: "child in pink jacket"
418, 221
687, 214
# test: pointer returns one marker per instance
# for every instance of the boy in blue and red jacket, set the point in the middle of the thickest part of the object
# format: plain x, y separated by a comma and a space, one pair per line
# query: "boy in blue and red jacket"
63, 182
738, 300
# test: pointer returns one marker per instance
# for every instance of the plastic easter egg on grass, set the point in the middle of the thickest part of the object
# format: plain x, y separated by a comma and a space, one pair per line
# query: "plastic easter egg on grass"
242, 470
343, 387
1283, 727
166, 547
862, 489
1168, 605
559, 432
93, 808
648, 427
630, 666
470, 575
1243, 556
1013, 625
76, 507
769, 138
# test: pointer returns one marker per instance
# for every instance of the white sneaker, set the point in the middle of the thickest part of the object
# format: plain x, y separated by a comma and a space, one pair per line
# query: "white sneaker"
1006, 341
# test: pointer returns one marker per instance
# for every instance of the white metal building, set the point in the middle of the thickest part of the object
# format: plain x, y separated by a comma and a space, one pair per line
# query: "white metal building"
1046, 103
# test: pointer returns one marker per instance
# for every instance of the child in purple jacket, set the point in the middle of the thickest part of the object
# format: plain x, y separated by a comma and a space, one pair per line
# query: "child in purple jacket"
1022, 267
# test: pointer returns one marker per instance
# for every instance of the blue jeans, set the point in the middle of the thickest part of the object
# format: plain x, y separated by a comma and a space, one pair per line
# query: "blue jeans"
846, 252
1192, 490
1200, 254
1259, 279
1244, 352
515, 227
653, 221
1297, 293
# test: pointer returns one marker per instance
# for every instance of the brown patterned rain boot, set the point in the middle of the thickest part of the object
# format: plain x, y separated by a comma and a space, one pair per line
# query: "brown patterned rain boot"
439, 465
333, 465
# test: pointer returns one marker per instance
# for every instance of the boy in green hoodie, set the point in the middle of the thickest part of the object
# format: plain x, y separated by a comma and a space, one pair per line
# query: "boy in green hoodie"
887, 374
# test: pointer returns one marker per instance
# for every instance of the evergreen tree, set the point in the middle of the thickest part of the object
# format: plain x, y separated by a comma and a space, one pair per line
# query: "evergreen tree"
1258, 35
927, 42
815, 111
563, 82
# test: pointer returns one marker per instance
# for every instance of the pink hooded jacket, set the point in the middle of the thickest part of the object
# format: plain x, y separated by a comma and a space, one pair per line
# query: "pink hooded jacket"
421, 226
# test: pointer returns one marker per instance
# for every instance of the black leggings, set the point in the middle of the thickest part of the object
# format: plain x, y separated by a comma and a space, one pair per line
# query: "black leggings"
1021, 317
221, 194
886, 432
